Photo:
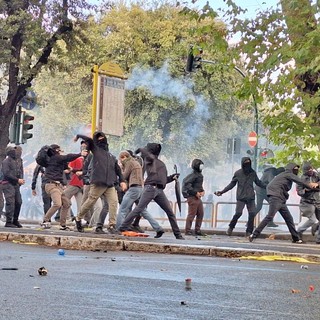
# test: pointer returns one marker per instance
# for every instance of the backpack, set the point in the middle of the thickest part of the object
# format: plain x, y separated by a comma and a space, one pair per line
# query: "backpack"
184, 191
43, 157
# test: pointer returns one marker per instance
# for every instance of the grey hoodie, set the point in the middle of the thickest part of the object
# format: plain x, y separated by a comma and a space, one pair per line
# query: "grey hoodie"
282, 183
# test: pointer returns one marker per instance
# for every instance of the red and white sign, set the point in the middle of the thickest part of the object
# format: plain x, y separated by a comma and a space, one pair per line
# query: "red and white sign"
252, 139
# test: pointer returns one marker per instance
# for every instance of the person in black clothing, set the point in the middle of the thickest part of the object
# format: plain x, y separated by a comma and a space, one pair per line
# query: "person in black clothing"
53, 179
153, 189
192, 190
105, 173
244, 179
277, 192
261, 193
12, 180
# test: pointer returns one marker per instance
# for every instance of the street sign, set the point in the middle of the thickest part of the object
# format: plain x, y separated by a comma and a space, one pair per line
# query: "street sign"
252, 139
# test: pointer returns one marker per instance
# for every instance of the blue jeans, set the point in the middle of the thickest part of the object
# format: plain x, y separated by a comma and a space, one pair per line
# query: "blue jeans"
128, 200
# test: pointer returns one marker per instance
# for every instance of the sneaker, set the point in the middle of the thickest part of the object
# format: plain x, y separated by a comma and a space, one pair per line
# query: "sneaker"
248, 234
200, 233
159, 234
229, 232
300, 234
297, 241
17, 223
10, 225
99, 230
64, 228
180, 237
271, 224
251, 237
79, 226
314, 228
45, 225
189, 233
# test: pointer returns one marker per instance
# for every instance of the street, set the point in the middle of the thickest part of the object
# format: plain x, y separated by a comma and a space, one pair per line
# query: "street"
122, 285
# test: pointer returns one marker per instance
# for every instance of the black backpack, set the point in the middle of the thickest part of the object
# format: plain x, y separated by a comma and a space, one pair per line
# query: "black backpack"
43, 157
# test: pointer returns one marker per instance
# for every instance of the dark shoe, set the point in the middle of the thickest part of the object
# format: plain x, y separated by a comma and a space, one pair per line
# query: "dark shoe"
17, 223
229, 232
180, 237
79, 226
317, 242
159, 234
251, 237
200, 233
297, 241
248, 234
189, 233
271, 224
99, 230
10, 225
64, 228
137, 229
300, 235
314, 228
113, 230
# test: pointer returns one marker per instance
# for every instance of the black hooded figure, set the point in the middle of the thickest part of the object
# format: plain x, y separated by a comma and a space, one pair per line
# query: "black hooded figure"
105, 174
11, 182
261, 193
192, 190
277, 192
157, 178
244, 179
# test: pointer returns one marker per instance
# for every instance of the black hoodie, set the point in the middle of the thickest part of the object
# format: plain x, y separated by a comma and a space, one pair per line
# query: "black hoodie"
282, 183
193, 182
10, 169
244, 177
105, 169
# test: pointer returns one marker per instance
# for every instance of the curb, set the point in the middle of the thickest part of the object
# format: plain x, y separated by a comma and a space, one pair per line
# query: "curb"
116, 244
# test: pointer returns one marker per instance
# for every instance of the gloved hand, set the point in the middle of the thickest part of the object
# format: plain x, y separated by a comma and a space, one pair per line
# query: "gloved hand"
175, 176
218, 193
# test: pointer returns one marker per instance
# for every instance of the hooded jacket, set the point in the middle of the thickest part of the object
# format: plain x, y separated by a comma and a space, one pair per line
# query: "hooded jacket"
10, 168
309, 195
193, 182
156, 170
244, 179
105, 169
282, 183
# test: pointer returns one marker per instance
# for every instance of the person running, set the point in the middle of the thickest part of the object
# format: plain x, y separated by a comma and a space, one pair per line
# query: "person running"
277, 192
104, 176
154, 185
54, 179
244, 179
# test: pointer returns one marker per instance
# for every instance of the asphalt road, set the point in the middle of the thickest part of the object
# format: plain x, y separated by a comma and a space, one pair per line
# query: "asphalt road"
123, 285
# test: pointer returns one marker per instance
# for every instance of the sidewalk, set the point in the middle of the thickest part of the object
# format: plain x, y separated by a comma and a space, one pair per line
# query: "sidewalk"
272, 242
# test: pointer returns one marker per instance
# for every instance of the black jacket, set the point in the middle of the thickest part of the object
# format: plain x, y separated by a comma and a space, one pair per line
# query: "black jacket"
309, 195
193, 182
156, 170
37, 170
244, 181
282, 183
10, 168
57, 164
105, 168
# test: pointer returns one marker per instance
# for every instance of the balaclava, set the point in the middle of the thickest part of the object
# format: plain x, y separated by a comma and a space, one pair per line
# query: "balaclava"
197, 165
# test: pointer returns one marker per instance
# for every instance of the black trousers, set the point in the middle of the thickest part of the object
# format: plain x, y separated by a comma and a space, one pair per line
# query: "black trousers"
251, 207
275, 205
152, 193
13, 199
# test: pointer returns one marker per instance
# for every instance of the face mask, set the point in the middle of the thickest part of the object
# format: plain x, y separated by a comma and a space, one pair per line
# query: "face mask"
201, 167
295, 171
310, 173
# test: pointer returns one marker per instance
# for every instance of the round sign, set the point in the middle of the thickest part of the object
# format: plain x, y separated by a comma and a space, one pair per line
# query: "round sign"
252, 139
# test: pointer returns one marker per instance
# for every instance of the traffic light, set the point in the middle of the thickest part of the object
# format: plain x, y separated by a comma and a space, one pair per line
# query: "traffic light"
14, 129
194, 59
25, 126
266, 153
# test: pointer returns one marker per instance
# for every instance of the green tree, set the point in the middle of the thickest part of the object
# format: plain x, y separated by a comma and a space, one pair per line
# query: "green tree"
30, 31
